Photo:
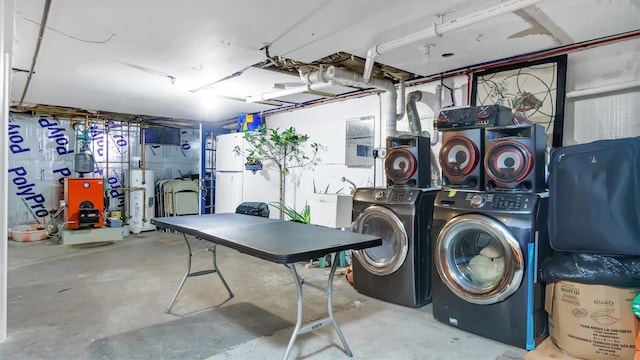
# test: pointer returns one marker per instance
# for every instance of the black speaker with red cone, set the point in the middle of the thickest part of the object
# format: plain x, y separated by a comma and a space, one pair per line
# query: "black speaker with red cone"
514, 159
408, 161
461, 159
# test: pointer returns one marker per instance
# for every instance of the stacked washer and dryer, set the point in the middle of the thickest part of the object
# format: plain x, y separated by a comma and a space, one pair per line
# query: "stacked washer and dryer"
399, 270
489, 226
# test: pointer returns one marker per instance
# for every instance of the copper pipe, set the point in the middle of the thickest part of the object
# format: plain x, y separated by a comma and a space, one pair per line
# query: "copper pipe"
128, 188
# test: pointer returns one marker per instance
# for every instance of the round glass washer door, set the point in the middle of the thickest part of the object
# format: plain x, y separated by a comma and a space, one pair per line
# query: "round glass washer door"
384, 259
479, 259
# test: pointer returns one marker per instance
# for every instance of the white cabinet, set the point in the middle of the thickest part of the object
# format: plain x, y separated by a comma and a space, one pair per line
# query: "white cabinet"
331, 210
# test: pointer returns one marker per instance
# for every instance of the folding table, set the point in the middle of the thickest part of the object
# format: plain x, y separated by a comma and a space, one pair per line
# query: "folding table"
282, 242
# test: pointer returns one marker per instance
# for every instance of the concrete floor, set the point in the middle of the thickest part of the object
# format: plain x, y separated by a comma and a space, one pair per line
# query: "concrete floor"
108, 302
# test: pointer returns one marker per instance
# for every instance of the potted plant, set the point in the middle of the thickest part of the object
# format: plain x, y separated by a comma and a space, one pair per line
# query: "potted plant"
301, 217
284, 148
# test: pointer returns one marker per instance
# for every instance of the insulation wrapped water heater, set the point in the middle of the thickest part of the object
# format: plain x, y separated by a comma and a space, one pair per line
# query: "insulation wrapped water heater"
140, 207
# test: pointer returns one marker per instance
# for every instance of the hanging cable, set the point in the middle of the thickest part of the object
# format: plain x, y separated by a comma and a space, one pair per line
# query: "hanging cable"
453, 100
43, 26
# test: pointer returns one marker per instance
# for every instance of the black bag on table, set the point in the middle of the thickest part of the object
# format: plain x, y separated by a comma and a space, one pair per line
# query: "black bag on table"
594, 197
253, 208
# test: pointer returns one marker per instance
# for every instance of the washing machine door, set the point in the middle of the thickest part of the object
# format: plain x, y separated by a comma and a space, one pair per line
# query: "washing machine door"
388, 257
479, 259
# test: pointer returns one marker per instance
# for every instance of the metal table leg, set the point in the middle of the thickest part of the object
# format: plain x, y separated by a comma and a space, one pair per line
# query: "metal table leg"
297, 330
188, 273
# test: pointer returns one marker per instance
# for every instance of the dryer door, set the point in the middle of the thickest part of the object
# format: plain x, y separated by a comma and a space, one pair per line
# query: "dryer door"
388, 257
479, 259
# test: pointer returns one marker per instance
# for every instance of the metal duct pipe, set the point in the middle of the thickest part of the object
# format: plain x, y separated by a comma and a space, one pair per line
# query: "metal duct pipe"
337, 76
349, 78
435, 103
412, 112
438, 30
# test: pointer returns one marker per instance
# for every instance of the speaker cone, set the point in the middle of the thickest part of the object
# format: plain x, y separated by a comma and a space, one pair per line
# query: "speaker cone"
508, 162
458, 157
400, 165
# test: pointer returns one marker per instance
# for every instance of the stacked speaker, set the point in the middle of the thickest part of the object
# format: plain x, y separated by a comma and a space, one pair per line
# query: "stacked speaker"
408, 161
482, 150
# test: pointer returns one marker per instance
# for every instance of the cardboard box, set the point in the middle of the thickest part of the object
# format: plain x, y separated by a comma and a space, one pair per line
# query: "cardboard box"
592, 321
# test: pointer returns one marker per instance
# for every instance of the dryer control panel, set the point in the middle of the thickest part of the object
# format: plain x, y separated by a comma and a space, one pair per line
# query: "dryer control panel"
508, 202
396, 195
487, 202
403, 196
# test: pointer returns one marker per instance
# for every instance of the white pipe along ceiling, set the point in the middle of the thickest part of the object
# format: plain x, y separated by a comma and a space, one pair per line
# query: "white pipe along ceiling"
349, 78
438, 30
333, 76
285, 92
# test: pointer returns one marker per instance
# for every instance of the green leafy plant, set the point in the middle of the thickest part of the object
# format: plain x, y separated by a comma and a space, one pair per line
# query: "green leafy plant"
293, 214
326, 189
283, 148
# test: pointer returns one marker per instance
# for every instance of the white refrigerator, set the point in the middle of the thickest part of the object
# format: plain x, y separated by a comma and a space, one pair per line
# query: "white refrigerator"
234, 184
229, 171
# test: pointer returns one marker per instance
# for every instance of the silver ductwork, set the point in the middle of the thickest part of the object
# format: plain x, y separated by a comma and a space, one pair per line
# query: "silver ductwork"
349, 78
412, 112
433, 101
333, 76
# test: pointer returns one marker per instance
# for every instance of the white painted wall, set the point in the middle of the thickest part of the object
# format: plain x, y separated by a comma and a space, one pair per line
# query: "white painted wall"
326, 125
604, 115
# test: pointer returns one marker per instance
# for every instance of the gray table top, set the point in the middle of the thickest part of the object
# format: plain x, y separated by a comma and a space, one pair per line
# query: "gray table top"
190, 224
273, 240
